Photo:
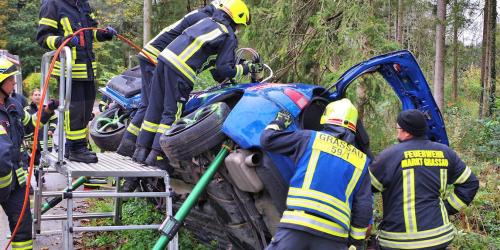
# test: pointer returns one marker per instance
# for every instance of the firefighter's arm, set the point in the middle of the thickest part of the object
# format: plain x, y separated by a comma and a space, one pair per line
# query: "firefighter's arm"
29, 121
465, 184
53, 123
6, 164
378, 170
277, 139
361, 212
225, 64
48, 35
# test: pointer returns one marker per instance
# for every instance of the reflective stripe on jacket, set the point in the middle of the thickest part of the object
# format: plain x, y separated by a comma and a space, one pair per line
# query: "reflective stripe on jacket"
61, 18
154, 47
413, 177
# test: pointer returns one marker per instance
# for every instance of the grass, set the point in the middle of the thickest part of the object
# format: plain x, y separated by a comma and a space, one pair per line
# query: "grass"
138, 212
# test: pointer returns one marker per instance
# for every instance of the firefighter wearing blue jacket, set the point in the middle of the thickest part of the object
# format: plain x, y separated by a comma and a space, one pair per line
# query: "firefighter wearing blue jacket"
329, 203
209, 43
14, 122
58, 20
413, 177
153, 49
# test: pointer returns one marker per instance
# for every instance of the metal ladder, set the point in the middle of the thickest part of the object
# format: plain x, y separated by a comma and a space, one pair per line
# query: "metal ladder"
109, 165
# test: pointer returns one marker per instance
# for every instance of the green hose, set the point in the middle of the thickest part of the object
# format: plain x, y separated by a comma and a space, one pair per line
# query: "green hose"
54, 201
193, 197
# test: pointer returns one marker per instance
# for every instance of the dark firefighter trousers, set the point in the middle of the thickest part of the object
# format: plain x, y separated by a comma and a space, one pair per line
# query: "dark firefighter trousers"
12, 208
83, 95
147, 70
169, 92
288, 239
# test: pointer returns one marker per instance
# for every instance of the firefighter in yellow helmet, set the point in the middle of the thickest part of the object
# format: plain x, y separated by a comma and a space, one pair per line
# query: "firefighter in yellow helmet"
329, 203
14, 121
209, 44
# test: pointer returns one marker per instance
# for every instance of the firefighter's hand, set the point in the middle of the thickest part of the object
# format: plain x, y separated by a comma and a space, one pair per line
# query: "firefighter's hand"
284, 119
255, 67
111, 31
52, 105
73, 42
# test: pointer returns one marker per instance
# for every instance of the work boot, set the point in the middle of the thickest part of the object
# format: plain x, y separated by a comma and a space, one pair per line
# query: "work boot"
158, 159
130, 184
82, 155
140, 154
126, 147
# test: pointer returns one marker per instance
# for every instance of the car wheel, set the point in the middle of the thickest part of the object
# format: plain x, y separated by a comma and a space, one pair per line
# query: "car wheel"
107, 128
196, 132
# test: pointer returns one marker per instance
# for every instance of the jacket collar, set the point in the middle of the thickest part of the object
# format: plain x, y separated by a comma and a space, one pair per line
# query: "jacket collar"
222, 17
340, 133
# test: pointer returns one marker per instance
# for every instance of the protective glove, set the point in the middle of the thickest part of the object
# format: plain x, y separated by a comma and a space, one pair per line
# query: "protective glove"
283, 119
73, 42
52, 105
255, 67
111, 31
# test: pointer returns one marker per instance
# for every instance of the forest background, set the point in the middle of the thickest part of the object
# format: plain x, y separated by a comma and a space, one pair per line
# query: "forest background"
315, 41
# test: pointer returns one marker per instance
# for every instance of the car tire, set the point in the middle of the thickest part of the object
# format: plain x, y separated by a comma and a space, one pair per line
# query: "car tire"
108, 138
196, 132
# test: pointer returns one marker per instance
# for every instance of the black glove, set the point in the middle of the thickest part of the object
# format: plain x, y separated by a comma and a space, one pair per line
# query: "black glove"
53, 104
283, 119
255, 67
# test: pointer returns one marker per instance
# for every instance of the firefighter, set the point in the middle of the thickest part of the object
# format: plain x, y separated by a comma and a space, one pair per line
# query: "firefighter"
329, 202
58, 20
413, 177
14, 122
210, 43
153, 49
32, 108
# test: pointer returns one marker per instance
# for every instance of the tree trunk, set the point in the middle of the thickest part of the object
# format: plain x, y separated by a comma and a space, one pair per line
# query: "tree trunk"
492, 40
389, 23
362, 97
484, 57
439, 59
147, 22
399, 27
454, 78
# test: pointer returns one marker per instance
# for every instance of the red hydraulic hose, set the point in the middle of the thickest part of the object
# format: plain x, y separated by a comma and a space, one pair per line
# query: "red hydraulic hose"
39, 116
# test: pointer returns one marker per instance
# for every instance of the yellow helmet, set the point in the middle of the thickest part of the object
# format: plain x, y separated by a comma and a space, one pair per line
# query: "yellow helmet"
237, 10
341, 113
7, 68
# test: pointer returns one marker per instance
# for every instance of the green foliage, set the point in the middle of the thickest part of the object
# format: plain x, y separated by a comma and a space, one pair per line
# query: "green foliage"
33, 82
21, 32
134, 212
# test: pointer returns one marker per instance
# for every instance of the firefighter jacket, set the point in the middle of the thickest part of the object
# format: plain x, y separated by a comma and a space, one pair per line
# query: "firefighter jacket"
14, 122
209, 44
154, 47
413, 177
330, 193
61, 18
28, 137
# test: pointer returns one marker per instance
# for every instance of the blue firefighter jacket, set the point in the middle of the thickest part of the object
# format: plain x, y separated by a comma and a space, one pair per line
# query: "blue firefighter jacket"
14, 122
330, 192
207, 44
413, 177
154, 47
61, 18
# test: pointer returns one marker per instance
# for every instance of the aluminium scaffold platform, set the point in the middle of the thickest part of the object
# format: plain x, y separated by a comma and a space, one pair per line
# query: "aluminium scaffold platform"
109, 165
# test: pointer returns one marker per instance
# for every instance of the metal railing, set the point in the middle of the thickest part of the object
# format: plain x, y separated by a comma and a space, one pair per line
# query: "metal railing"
65, 81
